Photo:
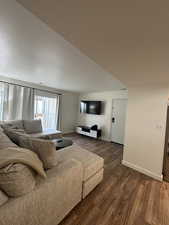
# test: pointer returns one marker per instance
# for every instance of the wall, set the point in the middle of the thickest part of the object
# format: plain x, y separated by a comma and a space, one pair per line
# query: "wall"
69, 112
145, 129
69, 103
31, 51
104, 120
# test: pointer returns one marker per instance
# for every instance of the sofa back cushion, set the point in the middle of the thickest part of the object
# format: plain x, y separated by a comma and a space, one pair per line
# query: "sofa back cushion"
14, 135
32, 126
13, 124
3, 198
5, 141
45, 149
17, 179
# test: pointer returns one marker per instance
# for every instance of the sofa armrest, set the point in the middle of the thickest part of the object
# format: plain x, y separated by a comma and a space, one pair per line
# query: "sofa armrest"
48, 134
54, 136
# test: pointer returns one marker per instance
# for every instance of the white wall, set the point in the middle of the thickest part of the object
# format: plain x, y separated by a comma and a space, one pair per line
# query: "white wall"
69, 112
145, 129
104, 120
33, 52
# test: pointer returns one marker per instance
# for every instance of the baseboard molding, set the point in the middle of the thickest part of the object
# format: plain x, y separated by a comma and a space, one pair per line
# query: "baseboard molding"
68, 132
105, 139
142, 170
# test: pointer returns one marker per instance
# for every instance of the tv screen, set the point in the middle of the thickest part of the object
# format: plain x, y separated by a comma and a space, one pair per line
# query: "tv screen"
90, 107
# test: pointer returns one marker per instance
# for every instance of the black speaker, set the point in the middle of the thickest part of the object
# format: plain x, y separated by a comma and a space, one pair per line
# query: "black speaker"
94, 127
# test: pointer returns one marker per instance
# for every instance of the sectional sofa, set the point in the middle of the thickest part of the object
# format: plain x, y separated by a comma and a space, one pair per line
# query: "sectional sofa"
76, 173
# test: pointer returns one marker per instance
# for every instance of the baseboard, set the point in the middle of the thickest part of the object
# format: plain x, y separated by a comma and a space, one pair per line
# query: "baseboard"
105, 139
68, 132
142, 170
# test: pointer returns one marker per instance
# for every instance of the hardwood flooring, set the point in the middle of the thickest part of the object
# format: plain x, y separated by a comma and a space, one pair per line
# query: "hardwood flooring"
125, 197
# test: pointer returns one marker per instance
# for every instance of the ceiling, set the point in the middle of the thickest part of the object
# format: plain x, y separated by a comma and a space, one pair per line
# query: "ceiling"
130, 39
31, 51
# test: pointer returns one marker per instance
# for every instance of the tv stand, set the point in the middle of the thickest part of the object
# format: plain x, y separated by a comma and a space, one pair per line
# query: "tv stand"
87, 131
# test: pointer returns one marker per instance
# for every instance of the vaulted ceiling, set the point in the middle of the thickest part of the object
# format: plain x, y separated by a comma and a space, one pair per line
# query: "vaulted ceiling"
32, 51
129, 38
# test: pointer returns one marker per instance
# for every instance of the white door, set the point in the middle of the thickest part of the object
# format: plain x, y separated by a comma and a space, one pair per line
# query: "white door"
118, 120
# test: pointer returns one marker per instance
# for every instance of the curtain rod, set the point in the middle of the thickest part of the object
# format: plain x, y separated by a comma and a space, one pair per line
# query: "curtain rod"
52, 92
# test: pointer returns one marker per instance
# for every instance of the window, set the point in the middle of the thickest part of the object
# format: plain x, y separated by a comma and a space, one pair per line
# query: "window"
46, 110
18, 102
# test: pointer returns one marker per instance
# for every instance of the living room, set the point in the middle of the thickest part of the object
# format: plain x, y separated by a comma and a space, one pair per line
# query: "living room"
84, 92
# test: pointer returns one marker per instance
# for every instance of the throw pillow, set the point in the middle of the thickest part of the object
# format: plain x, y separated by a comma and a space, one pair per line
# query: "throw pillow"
17, 179
45, 149
32, 126
5, 141
3, 198
14, 135
13, 124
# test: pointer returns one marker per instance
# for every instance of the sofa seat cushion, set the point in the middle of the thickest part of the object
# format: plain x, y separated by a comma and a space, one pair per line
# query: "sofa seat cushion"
91, 162
51, 200
32, 126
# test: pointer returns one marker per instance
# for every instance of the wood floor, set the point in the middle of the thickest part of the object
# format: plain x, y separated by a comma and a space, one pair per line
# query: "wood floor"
125, 197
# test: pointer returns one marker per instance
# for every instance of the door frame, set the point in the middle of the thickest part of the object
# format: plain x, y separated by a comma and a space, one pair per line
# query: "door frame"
166, 144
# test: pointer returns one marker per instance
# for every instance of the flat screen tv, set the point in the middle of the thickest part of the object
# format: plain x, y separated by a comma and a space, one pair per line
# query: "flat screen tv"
91, 107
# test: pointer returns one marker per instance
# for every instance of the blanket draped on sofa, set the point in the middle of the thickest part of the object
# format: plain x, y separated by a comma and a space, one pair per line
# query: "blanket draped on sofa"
13, 155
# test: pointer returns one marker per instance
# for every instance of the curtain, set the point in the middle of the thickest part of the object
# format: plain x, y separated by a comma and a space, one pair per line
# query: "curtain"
58, 112
47, 108
17, 102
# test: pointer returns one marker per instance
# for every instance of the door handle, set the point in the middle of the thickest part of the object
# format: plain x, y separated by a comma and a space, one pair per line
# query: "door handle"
113, 120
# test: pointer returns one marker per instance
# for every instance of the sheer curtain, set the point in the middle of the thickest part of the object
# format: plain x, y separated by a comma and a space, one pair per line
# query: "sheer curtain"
47, 108
16, 102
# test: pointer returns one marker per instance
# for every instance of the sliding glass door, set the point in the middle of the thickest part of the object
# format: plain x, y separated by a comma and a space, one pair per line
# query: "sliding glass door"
19, 102
46, 109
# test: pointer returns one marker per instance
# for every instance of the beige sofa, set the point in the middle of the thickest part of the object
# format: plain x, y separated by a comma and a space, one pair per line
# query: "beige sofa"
77, 173
32, 127
92, 166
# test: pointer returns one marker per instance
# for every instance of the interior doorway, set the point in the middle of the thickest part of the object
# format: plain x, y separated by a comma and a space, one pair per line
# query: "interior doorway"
119, 108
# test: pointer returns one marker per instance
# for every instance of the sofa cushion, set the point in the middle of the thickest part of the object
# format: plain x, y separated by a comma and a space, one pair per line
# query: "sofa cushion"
3, 198
32, 126
5, 141
13, 124
45, 149
17, 179
50, 201
14, 135
91, 162
48, 134
1, 129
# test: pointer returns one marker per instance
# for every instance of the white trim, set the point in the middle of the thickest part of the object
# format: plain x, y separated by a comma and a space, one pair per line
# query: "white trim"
68, 131
105, 139
142, 170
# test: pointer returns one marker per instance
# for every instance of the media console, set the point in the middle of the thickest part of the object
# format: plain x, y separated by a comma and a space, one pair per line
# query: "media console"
89, 131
